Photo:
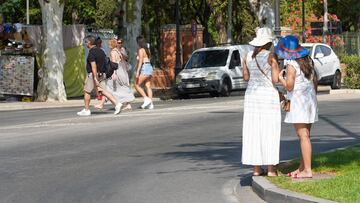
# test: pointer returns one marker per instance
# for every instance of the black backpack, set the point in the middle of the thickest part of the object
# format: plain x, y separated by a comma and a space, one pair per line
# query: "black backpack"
109, 67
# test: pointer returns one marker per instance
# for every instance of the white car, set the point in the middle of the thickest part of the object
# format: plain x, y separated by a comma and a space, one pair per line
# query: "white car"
216, 70
327, 64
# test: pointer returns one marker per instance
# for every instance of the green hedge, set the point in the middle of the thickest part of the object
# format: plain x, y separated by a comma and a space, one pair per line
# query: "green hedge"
352, 78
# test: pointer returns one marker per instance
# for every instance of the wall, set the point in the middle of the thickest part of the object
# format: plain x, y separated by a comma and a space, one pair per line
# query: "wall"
164, 77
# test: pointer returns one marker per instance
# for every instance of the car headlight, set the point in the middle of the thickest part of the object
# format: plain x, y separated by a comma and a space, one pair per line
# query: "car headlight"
211, 76
178, 79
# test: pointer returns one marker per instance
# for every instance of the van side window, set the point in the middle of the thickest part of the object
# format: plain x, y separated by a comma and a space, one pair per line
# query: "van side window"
235, 59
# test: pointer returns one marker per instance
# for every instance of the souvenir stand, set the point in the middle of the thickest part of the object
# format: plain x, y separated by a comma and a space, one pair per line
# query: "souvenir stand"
17, 61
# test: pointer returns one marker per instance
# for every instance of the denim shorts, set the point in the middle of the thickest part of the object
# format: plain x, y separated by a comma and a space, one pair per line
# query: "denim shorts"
146, 69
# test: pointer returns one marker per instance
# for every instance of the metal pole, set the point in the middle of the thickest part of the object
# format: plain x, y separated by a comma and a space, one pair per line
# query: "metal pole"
303, 21
229, 22
177, 62
27, 13
277, 29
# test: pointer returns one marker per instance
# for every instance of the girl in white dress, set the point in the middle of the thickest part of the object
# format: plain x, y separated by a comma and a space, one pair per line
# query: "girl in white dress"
301, 84
262, 115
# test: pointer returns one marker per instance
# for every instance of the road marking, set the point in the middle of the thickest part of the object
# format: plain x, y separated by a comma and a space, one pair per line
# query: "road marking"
181, 110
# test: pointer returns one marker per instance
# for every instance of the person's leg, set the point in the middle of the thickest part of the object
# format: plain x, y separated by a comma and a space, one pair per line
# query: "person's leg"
87, 98
257, 171
271, 171
101, 104
303, 131
138, 87
109, 96
148, 87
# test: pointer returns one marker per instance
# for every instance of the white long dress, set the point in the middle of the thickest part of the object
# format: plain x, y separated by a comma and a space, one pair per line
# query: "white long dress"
262, 115
120, 88
303, 106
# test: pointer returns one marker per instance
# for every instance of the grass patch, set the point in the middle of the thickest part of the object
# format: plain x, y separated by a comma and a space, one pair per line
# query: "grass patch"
344, 187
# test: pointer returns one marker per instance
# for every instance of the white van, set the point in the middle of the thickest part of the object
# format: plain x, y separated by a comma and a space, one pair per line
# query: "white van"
216, 70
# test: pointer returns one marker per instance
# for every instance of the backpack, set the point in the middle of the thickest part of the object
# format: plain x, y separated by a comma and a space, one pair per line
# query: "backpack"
109, 67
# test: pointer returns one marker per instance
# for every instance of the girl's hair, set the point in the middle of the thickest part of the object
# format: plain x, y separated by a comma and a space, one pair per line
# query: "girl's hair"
306, 66
112, 43
142, 44
267, 46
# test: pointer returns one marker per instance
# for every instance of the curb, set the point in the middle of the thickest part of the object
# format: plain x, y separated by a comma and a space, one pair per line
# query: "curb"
272, 194
9, 106
345, 91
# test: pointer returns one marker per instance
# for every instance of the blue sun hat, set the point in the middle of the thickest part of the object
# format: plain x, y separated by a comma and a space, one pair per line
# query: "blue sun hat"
289, 48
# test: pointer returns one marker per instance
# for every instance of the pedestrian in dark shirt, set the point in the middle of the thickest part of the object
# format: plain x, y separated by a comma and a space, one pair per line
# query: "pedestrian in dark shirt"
95, 79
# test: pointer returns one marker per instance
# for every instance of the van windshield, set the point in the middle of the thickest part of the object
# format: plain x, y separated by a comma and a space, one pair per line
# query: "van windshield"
210, 58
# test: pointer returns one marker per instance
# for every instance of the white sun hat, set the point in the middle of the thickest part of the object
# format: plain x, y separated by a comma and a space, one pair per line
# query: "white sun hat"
264, 35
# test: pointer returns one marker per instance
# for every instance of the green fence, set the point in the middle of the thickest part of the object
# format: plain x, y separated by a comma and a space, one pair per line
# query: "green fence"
351, 44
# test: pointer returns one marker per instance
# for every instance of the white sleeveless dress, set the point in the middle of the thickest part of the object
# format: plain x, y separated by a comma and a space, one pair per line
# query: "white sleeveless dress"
262, 115
303, 106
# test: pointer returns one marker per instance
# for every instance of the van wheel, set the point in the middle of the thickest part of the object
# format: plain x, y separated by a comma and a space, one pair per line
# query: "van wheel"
336, 83
214, 94
225, 88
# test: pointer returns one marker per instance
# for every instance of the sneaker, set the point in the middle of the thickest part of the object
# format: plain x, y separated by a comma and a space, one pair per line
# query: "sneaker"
146, 103
84, 112
118, 108
151, 106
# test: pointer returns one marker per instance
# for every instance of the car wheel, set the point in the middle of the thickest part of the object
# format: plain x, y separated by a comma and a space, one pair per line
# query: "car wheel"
214, 94
336, 83
225, 88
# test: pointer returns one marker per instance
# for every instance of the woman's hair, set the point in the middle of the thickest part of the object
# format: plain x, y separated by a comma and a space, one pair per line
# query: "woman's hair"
142, 44
98, 42
112, 43
306, 66
267, 46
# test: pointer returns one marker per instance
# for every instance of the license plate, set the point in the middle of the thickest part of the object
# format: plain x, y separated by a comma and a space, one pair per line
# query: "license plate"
192, 85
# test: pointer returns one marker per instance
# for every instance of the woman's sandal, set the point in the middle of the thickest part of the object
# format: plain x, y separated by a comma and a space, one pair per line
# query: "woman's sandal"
296, 176
272, 174
127, 108
291, 174
259, 173
99, 106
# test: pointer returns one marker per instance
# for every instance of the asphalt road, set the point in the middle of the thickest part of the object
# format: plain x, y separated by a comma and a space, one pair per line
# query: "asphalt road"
183, 151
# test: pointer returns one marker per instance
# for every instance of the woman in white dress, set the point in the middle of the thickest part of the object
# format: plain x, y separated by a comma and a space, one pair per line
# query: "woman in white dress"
262, 115
301, 84
118, 84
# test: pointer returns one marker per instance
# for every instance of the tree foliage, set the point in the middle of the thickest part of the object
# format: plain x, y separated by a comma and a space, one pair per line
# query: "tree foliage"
348, 12
14, 11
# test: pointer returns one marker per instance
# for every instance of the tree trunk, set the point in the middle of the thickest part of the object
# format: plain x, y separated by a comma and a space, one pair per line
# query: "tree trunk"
264, 12
133, 27
51, 86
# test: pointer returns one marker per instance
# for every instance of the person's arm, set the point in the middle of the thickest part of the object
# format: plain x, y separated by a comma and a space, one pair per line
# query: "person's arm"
92, 61
140, 62
124, 54
113, 56
289, 82
315, 81
246, 74
274, 68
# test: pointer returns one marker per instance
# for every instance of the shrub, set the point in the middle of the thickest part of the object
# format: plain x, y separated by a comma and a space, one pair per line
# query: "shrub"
352, 78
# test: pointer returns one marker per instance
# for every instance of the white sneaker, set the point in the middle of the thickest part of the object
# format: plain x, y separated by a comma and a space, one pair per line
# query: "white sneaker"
118, 108
84, 112
151, 106
146, 103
